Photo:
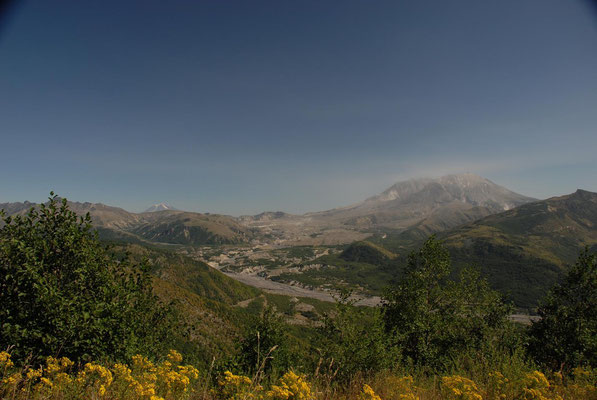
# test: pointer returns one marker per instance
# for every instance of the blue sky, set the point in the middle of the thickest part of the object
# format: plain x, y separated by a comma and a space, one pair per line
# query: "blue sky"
240, 107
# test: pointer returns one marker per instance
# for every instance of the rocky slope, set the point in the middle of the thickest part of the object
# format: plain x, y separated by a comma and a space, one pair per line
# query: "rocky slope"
407, 203
420, 206
172, 227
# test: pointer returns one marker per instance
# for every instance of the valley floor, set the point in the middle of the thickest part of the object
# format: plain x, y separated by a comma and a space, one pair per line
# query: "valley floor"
295, 291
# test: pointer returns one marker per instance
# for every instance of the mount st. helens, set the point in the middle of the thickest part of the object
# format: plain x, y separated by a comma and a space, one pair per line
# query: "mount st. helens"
410, 202
429, 205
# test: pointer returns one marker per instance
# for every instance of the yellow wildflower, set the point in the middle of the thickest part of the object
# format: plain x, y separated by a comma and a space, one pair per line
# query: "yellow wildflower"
400, 388
457, 387
147, 390
236, 380
62, 379
54, 365
235, 386
496, 385
12, 379
368, 393
189, 371
143, 363
97, 377
290, 387
5, 360
47, 382
33, 373
537, 387
122, 371
174, 356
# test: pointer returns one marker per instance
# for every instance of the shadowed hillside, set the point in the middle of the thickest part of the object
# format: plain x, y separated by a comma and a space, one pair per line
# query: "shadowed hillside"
522, 251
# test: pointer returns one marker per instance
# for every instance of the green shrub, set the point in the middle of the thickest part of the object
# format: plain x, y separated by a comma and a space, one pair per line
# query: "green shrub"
265, 346
354, 340
63, 294
566, 335
435, 320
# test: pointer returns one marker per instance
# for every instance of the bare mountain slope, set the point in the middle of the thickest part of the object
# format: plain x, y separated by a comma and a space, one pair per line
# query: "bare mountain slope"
422, 206
174, 227
412, 201
190, 228
16, 208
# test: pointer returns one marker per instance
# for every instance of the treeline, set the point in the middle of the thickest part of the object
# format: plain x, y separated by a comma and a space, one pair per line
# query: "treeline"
63, 295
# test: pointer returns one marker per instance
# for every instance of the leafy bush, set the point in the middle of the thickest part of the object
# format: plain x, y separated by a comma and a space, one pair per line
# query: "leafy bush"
435, 320
63, 294
566, 335
354, 340
265, 346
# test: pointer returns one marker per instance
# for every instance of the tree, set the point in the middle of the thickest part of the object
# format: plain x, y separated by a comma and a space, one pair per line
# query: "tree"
265, 346
354, 340
434, 319
62, 293
566, 334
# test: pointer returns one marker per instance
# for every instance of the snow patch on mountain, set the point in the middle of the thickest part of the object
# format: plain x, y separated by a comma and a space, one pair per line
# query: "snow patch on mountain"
160, 207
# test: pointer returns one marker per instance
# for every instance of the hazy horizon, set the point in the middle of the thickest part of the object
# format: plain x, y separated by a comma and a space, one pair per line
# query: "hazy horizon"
239, 108
176, 208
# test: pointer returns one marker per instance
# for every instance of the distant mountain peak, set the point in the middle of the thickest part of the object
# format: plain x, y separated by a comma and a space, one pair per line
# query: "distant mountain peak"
466, 188
161, 207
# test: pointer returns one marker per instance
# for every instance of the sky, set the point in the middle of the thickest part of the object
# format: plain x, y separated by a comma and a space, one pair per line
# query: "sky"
238, 107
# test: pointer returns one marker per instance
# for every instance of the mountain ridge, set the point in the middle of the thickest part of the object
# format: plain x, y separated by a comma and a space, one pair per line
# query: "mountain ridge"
522, 251
430, 204
168, 226
425, 206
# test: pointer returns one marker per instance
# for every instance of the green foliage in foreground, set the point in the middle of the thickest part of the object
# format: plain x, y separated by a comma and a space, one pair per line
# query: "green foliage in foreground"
434, 320
566, 335
354, 339
266, 344
62, 294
